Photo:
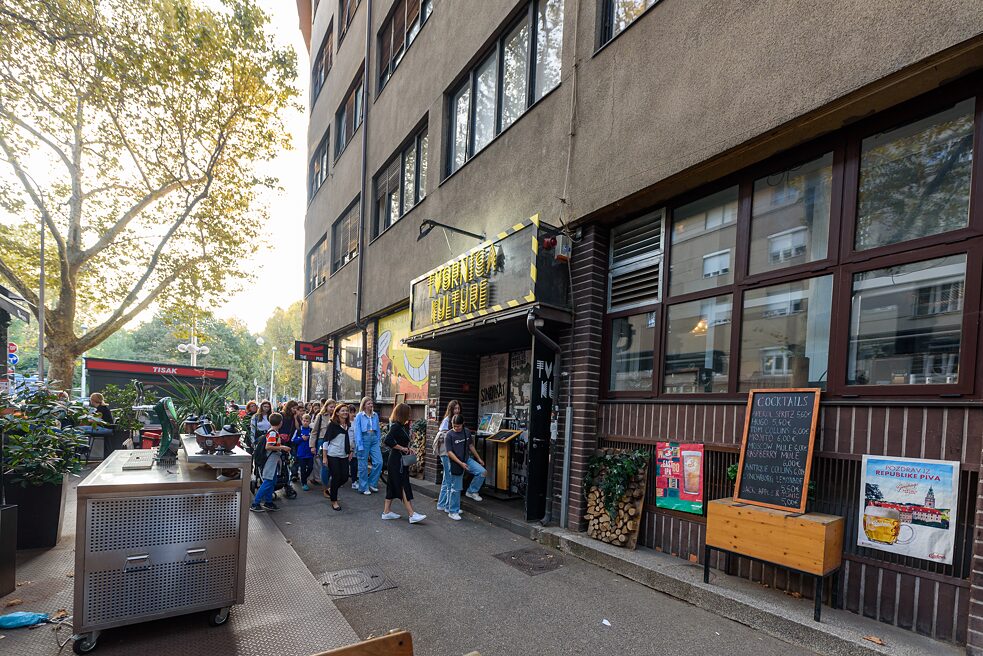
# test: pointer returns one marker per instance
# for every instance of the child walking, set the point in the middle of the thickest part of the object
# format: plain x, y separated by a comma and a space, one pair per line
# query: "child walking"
305, 457
264, 495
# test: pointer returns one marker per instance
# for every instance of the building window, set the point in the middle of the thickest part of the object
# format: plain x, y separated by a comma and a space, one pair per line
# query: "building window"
698, 346
349, 116
915, 179
401, 184
346, 13
322, 64
317, 265
318, 171
619, 14
906, 323
398, 32
344, 238
704, 233
632, 343
349, 365
521, 68
785, 334
790, 213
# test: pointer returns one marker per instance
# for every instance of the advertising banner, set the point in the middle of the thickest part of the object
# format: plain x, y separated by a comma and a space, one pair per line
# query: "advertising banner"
907, 506
348, 368
679, 477
493, 380
399, 368
520, 384
310, 351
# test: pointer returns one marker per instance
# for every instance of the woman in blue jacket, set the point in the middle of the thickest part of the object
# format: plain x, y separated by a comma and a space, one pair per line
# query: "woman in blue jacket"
368, 446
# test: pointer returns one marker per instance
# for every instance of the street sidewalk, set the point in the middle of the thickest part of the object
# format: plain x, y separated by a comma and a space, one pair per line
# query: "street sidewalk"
287, 612
841, 633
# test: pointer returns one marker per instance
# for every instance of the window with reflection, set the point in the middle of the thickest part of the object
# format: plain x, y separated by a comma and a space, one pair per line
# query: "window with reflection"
704, 234
619, 14
790, 216
348, 367
785, 334
698, 346
632, 340
906, 323
915, 179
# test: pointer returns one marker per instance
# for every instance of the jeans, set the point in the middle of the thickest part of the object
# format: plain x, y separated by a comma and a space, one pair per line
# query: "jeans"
306, 467
353, 469
445, 484
265, 492
371, 448
479, 475
454, 496
325, 475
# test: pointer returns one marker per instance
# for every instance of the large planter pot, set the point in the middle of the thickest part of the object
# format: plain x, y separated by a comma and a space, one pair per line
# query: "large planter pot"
40, 509
8, 549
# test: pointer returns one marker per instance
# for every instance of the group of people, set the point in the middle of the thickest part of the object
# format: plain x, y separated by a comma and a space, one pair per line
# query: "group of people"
347, 443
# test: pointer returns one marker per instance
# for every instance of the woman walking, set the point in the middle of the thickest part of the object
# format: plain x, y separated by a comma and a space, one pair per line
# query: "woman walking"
453, 408
368, 444
398, 483
259, 424
336, 452
319, 432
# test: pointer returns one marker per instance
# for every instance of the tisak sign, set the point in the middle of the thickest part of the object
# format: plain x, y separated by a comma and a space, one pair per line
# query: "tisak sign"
495, 275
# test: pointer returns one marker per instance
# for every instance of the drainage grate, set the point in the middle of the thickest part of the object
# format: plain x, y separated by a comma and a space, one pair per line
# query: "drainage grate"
356, 581
532, 561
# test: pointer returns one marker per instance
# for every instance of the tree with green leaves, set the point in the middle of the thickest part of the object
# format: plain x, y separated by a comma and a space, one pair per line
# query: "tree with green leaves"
130, 132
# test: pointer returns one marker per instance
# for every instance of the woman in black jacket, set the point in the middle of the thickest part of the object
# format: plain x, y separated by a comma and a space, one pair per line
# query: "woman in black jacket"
336, 451
398, 485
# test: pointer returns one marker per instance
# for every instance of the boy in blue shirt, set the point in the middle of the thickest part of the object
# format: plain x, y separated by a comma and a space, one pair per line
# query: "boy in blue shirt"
302, 442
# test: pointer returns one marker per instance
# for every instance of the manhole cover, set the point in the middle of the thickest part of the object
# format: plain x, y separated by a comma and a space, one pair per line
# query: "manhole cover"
532, 561
359, 580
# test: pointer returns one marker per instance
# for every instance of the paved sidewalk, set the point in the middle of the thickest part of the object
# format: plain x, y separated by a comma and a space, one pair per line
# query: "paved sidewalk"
287, 612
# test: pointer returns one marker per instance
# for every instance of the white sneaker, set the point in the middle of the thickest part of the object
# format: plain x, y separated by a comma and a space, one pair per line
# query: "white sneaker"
354, 486
390, 515
455, 516
417, 517
374, 489
473, 495
366, 492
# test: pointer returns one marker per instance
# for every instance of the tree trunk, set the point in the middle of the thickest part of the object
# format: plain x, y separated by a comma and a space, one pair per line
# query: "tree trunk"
61, 366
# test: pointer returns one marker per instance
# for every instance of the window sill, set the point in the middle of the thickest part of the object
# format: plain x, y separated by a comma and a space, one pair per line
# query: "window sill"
499, 135
630, 25
307, 295
398, 221
342, 266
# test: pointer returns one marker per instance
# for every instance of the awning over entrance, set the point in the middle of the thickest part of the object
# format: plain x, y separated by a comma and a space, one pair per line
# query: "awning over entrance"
498, 333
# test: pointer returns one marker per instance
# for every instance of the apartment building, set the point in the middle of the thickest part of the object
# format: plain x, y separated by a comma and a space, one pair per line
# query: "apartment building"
645, 209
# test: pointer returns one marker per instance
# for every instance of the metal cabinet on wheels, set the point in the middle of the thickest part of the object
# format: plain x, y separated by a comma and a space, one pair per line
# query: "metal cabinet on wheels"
160, 541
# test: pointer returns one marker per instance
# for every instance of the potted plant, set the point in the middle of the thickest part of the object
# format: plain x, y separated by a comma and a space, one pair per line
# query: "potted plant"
193, 402
42, 445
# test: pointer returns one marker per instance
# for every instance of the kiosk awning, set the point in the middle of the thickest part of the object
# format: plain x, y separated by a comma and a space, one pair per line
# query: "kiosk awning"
498, 333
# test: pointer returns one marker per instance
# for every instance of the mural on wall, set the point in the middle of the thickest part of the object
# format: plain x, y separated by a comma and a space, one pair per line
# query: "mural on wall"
400, 369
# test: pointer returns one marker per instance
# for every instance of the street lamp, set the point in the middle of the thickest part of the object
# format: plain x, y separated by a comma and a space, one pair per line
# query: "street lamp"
272, 368
290, 352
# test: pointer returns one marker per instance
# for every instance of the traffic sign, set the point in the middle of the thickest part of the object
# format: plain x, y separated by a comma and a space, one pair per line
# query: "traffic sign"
12, 358
11, 347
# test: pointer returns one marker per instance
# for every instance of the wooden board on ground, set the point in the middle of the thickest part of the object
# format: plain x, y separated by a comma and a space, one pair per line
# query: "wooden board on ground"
622, 531
398, 643
811, 543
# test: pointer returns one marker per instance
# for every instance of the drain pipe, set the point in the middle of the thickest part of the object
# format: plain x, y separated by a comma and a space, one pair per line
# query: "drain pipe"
553, 346
362, 204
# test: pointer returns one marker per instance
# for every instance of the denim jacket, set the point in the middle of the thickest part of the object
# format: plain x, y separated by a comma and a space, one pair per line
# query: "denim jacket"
363, 425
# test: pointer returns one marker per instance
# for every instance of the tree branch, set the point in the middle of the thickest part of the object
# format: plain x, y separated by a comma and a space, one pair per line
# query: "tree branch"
38, 201
37, 134
117, 321
23, 289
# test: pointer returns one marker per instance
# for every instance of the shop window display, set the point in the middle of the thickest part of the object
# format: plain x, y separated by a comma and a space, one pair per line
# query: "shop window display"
698, 346
785, 335
906, 323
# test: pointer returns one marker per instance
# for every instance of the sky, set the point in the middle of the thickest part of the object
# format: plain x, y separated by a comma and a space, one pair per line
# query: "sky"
279, 271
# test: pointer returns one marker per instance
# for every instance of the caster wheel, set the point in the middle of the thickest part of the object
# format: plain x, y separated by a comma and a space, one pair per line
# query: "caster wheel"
84, 646
218, 617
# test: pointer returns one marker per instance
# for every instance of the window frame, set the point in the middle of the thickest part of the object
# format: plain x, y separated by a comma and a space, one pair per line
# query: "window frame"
607, 353
422, 19
414, 141
842, 260
335, 267
326, 143
327, 46
605, 23
344, 24
319, 244
341, 115
468, 79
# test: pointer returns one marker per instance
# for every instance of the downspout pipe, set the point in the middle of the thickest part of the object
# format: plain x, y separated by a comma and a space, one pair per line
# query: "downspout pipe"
553, 346
363, 173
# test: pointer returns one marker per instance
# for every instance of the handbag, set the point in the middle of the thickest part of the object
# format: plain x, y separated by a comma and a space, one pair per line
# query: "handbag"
408, 459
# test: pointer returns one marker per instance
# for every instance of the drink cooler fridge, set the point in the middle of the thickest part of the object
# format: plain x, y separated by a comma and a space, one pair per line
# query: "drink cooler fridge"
159, 542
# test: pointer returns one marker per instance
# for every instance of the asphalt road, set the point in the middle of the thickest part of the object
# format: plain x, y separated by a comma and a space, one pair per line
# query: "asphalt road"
455, 597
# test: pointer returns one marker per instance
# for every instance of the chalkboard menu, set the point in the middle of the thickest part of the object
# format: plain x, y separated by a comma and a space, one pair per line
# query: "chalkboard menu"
776, 451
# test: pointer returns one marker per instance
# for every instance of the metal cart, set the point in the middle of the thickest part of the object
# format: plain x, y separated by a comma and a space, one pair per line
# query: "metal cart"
159, 541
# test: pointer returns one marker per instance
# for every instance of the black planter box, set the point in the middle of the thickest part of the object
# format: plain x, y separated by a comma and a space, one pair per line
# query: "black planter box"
8, 549
40, 509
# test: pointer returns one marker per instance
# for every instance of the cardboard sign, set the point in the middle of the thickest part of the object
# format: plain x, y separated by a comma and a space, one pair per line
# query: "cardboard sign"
776, 449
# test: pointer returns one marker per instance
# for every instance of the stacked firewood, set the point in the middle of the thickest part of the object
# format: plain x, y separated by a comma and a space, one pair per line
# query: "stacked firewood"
622, 529
418, 443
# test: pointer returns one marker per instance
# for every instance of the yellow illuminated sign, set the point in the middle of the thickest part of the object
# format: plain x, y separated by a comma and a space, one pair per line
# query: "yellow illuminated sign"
461, 286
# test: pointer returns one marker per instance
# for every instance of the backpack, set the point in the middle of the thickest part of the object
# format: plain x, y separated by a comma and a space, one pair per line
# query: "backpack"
438, 440
261, 455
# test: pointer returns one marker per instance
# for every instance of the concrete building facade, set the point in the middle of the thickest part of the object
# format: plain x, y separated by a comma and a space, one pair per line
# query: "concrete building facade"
755, 194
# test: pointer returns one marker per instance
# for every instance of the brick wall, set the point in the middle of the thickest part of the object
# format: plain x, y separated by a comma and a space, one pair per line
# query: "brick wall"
452, 376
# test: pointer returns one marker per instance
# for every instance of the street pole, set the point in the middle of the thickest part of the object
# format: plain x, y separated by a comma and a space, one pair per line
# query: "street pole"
272, 366
41, 315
